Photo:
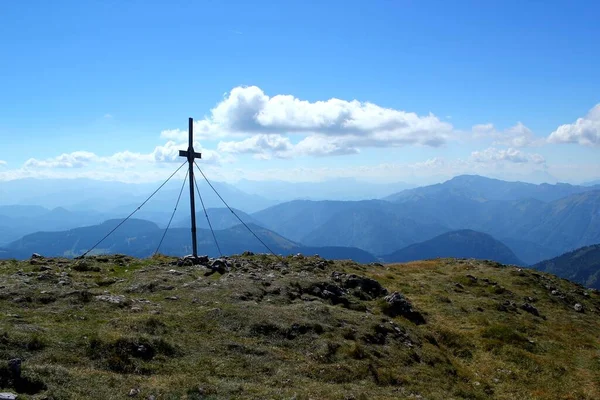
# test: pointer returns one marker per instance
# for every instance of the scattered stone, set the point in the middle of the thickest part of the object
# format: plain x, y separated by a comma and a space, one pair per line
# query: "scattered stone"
190, 260
578, 307
459, 286
472, 278
45, 268
220, 265
111, 298
172, 298
530, 309
36, 256
363, 287
398, 305
555, 292
134, 392
8, 396
507, 305
175, 272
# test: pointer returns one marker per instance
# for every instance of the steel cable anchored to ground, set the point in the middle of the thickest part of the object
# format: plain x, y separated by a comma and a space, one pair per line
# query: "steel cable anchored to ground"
173, 214
130, 215
233, 212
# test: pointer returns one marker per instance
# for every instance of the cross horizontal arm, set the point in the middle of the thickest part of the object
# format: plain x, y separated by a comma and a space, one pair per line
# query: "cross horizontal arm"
185, 153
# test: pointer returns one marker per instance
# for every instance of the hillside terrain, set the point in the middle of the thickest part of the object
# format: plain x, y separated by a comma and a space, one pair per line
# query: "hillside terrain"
140, 238
537, 222
479, 187
116, 327
581, 265
460, 244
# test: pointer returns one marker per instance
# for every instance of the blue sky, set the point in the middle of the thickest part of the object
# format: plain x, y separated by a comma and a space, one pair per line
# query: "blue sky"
89, 89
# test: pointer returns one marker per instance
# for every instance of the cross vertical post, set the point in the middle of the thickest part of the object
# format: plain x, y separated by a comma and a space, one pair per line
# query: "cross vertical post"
191, 155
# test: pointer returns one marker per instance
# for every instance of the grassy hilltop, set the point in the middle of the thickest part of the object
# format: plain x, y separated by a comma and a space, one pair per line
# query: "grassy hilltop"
116, 327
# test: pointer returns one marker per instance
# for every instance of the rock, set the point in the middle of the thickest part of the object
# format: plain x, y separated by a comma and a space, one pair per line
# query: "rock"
507, 305
247, 253
472, 278
36, 256
46, 276
578, 307
134, 392
530, 309
175, 272
398, 305
45, 268
190, 260
363, 287
111, 298
14, 366
8, 396
172, 298
220, 265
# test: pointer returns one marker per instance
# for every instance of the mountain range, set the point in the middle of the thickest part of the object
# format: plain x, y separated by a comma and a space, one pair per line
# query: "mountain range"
540, 222
532, 222
141, 238
581, 266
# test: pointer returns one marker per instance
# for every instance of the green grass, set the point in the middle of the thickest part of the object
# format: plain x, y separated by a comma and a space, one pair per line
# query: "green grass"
259, 332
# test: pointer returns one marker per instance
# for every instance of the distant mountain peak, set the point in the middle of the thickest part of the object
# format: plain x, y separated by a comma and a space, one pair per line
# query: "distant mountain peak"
463, 243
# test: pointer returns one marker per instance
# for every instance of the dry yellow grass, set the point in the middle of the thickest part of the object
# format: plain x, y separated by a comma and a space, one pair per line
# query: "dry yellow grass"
261, 331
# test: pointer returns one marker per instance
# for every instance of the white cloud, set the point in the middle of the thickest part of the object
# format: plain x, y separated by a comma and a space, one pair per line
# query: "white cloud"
494, 155
248, 111
2, 163
76, 159
263, 146
584, 131
319, 145
167, 153
108, 116
516, 136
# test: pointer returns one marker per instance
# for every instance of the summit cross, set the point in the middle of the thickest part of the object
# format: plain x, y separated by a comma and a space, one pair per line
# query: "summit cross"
191, 155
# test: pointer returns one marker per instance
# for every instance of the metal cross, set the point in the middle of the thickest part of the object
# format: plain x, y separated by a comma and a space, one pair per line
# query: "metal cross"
191, 155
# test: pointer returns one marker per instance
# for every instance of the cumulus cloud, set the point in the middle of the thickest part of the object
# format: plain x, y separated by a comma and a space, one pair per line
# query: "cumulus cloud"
76, 159
168, 153
262, 146
516, 136
2, 163
494, 155
249, 112
584, 131
266, 146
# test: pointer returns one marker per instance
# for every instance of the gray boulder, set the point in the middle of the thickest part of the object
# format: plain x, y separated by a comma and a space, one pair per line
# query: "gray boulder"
398, 305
